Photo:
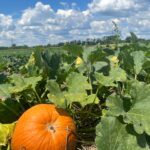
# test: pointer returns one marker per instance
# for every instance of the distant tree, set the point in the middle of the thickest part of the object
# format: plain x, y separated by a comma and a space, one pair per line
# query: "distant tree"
49, 45
13, 45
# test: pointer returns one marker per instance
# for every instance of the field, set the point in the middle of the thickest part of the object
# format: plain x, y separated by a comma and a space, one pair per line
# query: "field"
106, 90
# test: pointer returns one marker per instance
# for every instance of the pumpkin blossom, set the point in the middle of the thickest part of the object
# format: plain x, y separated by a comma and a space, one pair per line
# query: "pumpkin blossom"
79, 61
114, 59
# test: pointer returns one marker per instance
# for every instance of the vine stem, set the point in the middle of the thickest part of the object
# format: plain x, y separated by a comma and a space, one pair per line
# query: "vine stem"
135, 77
90, 109
89, 72
39, 99
71, 65
22, 107
42, 96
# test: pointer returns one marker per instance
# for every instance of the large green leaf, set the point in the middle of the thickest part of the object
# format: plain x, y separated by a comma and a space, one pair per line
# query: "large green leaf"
53, 87
21, 83
76, 97
139, 113
113, 135
105, 80
77, 90
86, 53
139, 59
95, 56
81, 97
51, 63
117, 74
115, 105
74, 49
5, 91
126, 61
55, 95
63, 99
31, 66
99, 65
77, 83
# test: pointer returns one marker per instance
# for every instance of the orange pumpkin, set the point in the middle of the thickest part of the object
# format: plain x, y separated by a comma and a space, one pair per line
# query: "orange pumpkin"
44, 127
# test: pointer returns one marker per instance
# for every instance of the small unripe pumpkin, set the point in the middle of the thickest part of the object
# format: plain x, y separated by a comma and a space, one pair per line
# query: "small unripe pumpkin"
44, 127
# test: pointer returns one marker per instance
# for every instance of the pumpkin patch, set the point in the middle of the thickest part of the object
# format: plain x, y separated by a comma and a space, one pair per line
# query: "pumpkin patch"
74, 98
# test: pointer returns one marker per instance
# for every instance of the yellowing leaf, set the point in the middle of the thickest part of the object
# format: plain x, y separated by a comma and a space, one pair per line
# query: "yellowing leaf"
5, 133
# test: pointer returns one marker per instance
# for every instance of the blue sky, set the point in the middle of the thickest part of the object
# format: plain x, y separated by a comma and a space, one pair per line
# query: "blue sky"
34, 22
16, 6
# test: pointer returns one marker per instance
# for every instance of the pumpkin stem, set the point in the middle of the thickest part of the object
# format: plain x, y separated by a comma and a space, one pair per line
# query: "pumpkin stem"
51, 128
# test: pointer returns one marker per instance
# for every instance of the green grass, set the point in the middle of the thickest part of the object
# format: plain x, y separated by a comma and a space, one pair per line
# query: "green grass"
15, 52
24, 52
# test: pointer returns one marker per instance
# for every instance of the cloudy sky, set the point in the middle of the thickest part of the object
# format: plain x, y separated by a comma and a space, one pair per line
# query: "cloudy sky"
35, 22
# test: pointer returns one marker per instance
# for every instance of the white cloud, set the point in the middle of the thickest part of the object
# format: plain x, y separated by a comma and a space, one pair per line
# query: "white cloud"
42, 25
103, 27
36, 15
6, 27
5, 21
112, 5
100, 26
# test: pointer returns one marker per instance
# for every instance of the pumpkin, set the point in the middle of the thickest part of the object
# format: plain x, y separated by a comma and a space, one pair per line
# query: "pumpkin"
44, 127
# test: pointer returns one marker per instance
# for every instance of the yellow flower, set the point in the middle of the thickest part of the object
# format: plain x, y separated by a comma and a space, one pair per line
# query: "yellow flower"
78, 61
114, 59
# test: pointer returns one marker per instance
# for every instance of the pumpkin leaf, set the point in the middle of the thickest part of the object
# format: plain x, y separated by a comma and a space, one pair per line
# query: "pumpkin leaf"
55, 95
77, 90
105, 80
118, 74
63, 99
139, 112
21, 83
99, 65
86, 53
75, 97
126, 61
53, 87
82, 98
113, 135
58, 100
139, 59
92, 99
115, 74
74, 49
5, 133
5, 91
115, 105
77, 83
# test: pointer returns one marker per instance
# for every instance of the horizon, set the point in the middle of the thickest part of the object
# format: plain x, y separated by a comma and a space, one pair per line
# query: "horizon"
53, 21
